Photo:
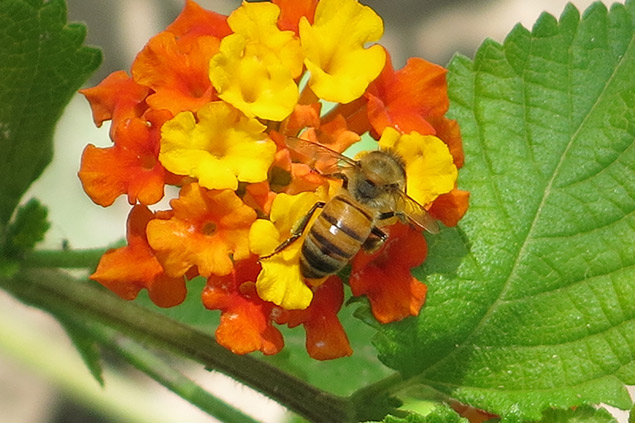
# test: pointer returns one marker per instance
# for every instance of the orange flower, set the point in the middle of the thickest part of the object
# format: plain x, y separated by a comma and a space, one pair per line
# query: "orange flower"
292, 10
384, 276
194, 21
408, 98
259, 196
289, 177
246, 320
449, 208
207, 229
334, 134
449, 132
126, 270
325, 336
177, 71
129, 167
304, 115
118, 97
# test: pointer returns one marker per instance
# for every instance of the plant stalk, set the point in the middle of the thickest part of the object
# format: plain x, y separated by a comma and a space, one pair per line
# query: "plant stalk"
65, 259
58, 292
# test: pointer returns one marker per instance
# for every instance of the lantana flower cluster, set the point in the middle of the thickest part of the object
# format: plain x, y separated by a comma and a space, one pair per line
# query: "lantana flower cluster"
207, 108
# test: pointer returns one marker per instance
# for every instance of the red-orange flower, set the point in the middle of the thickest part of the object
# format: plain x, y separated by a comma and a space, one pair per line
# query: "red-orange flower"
207, 230
194, 21
118, 97
126, 270
325, 336
177, 71
408, 98
292, 10
385, 278
246, 320
449, 208
129, 167
449, 132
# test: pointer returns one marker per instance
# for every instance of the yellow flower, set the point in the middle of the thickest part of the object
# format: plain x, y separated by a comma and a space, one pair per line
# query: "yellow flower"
222, 148
280, 281
255, 67
341, 68
430, 168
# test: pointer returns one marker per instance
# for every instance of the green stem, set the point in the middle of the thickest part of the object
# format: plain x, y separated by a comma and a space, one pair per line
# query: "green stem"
166, 375
54, 290
65, 259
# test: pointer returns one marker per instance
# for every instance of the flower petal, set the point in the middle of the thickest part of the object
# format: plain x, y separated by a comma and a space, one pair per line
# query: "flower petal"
255, 67
429, 164
325, 336
118, 97
207, 228
127, 270
194, 21
129, 167
246, 322
341, 68
177, 71
280, 281
384, 276
222, 148
292, 10
407, 99
449, 208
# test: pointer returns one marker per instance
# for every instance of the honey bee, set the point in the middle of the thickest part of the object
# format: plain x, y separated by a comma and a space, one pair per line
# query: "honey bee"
372, 193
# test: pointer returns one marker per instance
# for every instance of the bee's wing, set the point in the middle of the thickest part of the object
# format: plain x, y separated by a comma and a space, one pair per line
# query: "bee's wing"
325, 160
417, 215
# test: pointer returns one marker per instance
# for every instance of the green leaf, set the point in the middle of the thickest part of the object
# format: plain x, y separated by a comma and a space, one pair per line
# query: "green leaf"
42, 63
439, 414
531, 300
585, 414
28, 228
85, 344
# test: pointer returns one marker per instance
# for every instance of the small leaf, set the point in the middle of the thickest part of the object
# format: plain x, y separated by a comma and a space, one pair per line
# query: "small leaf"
439, 414
85, 344
531, 300
8, 267
42, 63
28, 228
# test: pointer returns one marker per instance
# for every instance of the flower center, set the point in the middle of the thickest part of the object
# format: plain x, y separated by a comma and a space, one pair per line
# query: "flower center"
148, 162
209, 228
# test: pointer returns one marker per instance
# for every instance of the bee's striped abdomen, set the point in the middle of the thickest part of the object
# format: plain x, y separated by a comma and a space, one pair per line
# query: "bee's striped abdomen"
334, 238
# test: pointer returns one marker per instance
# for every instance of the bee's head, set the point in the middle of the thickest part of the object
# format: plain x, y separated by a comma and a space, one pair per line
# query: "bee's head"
381, 174
384, 168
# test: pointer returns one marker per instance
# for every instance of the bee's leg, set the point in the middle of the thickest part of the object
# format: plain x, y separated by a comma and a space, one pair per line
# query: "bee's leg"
388, 215
375, 240
403, 217
299, 230
377, 236
337, 175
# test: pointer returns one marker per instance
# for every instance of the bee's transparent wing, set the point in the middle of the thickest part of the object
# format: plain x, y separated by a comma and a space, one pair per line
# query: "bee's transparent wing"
417, 215
323, 159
